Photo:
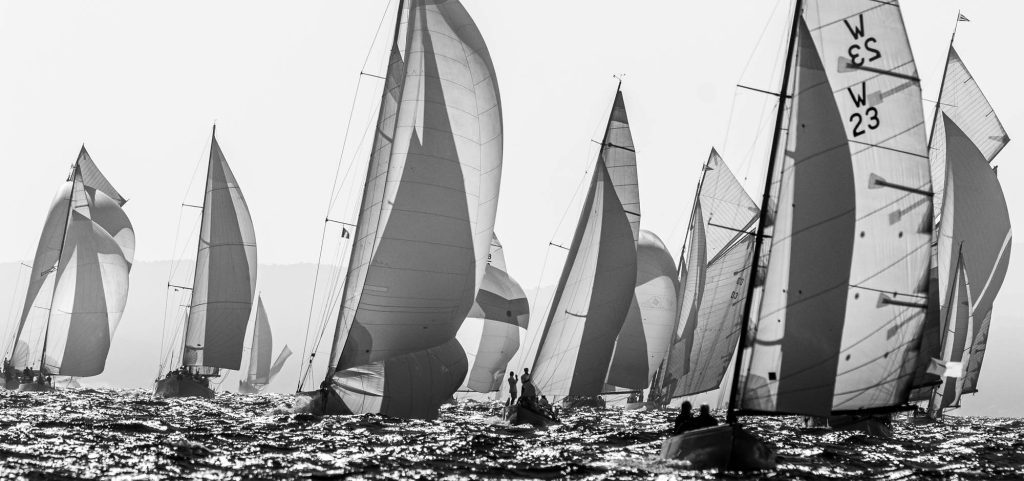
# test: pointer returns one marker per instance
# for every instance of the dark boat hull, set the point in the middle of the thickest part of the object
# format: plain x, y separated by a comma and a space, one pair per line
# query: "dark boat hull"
517, 415
727, 447
34, 387
583, 402
184, 386
321, 403
245, 387
879, 426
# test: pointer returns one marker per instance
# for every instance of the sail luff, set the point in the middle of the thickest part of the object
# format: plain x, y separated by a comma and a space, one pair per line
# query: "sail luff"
75, 178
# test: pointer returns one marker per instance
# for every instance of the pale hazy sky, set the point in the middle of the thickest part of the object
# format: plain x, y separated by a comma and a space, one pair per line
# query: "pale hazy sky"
141, 82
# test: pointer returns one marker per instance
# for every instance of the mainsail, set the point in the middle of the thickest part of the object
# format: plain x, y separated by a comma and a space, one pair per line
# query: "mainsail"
595, 290
645, 335
720, 251
82, 261
426, 219
500, 311
225, 273
846, 287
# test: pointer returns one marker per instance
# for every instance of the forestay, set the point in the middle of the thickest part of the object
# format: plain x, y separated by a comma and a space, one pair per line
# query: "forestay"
595, 290
79, 283
427, 214
720, 251
846, 287
225, 275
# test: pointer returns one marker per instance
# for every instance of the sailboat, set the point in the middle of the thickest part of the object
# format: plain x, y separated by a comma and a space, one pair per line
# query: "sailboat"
261, 370
973, 235
718, 253
79, 283
223, 288
596, 288
848, 211
644, 339
425, 222
500, 312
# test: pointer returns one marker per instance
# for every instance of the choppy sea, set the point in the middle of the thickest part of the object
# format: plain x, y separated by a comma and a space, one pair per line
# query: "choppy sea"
112, 434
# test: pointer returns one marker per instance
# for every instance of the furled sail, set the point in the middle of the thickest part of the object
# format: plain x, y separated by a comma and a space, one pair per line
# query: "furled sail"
976, 222
427, 214
720, 251
645, 335
225, 274
846, 287
596, 287
83, 260
500, 311
962, 100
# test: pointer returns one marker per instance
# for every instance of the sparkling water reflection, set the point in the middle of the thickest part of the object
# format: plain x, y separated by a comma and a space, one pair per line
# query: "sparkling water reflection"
109, 434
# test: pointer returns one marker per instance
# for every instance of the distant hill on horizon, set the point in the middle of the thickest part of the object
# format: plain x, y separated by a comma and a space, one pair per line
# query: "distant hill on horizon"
286, 290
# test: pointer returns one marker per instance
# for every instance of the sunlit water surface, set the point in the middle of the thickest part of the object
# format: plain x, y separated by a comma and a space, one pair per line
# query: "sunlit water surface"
129, 434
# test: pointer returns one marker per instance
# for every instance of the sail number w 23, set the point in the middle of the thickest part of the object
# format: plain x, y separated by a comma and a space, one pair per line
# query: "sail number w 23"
862, 50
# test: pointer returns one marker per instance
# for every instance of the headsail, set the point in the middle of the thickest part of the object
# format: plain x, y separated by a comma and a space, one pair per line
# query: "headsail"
596, 287
720, 250
225, 274
84, 256
261, 348
427, 213
845, 292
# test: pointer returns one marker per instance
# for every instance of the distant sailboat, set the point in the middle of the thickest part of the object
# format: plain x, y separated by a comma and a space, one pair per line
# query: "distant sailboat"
425, 222
596, 288
713, 289
973, 235
848, 211
261, 370
223, 288
644, 339
500, 313
79, 283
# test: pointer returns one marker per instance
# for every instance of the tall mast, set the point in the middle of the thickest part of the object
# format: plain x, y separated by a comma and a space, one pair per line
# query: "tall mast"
759, 239
60, 255
362, 205
945, 68
693, 209
199, 241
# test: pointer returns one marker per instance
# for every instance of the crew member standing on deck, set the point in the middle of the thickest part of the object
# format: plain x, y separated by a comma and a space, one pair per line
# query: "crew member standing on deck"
512, 388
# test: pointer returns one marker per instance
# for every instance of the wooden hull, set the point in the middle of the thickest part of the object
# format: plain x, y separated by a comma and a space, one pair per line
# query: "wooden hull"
184, 386
726, 448
517, 415
879, 426
321, 403
245, 387
583, 402
34, 387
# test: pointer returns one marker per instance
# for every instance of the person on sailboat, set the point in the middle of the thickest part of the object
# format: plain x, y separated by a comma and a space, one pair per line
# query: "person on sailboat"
529, 391
27, 374
512, 392
704, 419
684, 421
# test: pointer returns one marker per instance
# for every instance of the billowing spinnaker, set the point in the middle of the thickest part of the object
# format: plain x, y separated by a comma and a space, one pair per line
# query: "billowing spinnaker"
975, 221
846, 287
592, 298
500, 311
708, 330
962, 100
262, 345
655, 305
225, 278
91, 288
431, 193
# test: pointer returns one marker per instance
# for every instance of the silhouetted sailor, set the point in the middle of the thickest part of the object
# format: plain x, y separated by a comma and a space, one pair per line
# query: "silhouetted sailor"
704, 419
684, 421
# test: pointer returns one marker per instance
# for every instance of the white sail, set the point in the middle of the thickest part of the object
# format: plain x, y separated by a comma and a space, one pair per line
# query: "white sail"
225, 274
962, 100
647, 331
846, 287
261, 347
595, 290
428, 209
720, 250
957, 337
67, 331
492, 330
976, 222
